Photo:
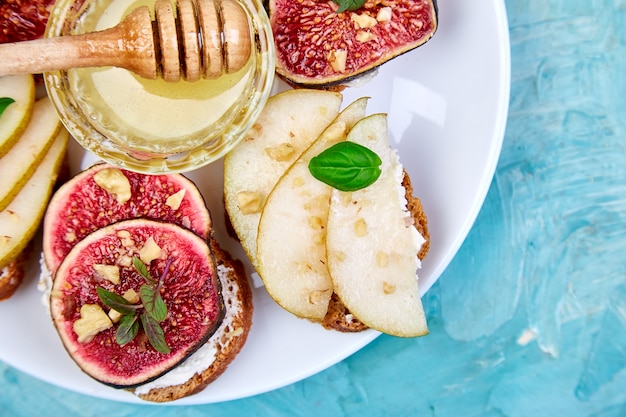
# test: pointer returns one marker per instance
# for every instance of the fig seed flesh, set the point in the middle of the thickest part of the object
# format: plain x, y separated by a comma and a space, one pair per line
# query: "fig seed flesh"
81, 206
318, 47
190, 290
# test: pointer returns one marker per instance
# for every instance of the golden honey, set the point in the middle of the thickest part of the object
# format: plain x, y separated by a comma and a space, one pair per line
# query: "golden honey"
154, 125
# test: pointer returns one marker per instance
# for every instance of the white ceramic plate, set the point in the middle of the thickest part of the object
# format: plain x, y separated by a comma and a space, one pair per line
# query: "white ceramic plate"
447, 105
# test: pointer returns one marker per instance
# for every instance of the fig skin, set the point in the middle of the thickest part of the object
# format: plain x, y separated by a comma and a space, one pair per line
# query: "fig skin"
308, 34
81, 206
190, 289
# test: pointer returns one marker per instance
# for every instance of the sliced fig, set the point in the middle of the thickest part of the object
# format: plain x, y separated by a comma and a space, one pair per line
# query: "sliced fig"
318, 47
104, 194
189, 287
23, 20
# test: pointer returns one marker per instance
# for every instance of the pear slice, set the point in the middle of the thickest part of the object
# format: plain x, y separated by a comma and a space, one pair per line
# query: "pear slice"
288, 124
17, 165
372, 245
16, 116
20, 220
291, 248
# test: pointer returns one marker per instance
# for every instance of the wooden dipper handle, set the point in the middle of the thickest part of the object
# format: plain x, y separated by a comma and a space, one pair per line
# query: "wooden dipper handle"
206, 39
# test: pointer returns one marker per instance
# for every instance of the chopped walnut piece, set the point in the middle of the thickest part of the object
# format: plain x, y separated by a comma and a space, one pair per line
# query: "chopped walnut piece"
363, 21
337, 59
250, 202
316, 222
126, 238
363, 36
360, 227
114, 182
108, 272
149, 251
132, 297
281, 153
388, 288
92, 321
382, 259
175, 199
384, 14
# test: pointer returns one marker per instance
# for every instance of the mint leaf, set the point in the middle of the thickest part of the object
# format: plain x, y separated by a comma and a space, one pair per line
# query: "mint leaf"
154, 332
153, 303
154, 309
116, 302
349, 5
346, 166
4, 103
127, 329
143, 270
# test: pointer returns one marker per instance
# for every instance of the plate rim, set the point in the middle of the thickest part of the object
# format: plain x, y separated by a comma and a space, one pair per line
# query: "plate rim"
487, 174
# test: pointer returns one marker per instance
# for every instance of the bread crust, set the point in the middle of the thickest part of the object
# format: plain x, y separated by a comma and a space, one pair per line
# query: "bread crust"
338, 316
228, 341
420, 221
12, 274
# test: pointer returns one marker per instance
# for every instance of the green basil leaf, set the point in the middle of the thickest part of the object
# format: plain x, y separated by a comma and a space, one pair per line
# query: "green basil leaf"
349, 5
346, 166
154, 332
153, 303
143, 270
4, 103
127, 329
116, 302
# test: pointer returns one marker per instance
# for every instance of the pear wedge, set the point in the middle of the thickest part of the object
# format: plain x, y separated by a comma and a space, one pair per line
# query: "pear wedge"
291, 248
16, 116
372, 245
20, 220
288, 124
19, 163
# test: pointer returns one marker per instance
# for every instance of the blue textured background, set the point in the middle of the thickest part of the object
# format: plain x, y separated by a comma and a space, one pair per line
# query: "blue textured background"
530, 317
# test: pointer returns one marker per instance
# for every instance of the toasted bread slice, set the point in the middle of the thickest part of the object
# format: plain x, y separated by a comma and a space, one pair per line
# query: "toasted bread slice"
12, 275
372, 245
292, 264
338, 316
222, 347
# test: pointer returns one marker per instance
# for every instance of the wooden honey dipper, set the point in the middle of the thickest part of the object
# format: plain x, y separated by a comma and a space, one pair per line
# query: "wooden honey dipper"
189, 45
